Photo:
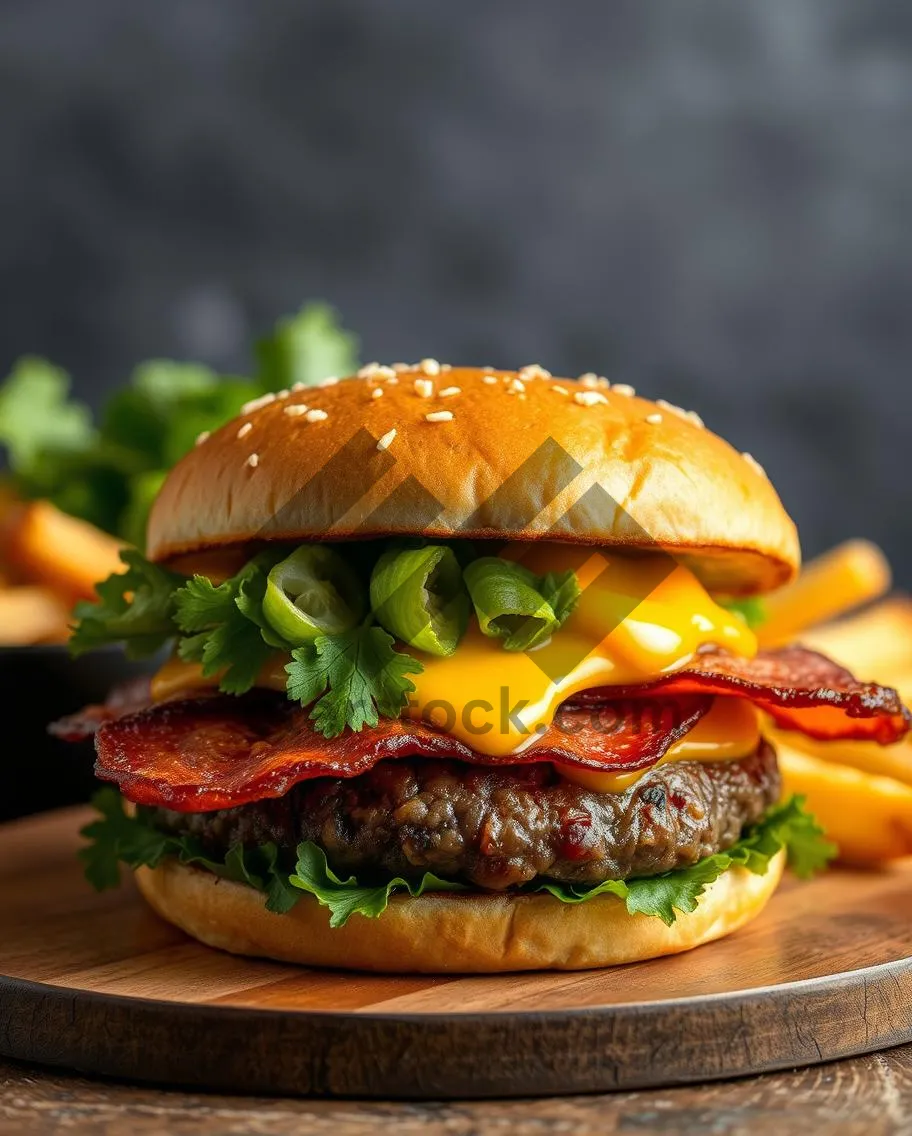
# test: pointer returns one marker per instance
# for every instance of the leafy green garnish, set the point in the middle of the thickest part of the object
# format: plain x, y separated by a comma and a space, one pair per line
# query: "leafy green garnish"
36, 414
224, 628
345, 898
135, 607
135, 841
108, 475
116, 838
306, 348
752, 610
354, 677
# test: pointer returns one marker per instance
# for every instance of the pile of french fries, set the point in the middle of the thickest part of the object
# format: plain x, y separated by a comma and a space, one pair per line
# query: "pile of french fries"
859, 791
48, 562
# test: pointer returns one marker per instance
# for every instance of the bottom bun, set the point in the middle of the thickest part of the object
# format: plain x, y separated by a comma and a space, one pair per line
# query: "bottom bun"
450, 932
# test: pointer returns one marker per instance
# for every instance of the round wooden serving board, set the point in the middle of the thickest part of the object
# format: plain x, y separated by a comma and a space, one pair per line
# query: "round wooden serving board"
98, 983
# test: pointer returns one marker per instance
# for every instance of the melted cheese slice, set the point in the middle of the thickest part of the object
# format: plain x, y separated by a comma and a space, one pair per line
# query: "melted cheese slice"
638, 618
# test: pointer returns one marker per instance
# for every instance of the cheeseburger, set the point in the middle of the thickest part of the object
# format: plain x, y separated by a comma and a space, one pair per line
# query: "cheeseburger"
461, 677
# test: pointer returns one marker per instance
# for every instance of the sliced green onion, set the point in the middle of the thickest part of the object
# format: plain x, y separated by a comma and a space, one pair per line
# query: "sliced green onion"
417, 595
312, 592
515, 605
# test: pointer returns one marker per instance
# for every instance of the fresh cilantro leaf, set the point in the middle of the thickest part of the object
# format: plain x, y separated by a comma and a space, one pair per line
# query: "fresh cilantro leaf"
306, 348
751, 609
345, 898
224, 628
352, 678
115, 838
135, 607
37, 415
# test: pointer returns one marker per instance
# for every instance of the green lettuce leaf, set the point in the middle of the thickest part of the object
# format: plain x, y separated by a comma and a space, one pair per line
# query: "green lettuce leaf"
115, 838
345, 898
787, 826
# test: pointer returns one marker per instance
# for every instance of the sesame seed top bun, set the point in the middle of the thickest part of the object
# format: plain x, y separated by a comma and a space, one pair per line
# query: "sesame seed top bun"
476, 453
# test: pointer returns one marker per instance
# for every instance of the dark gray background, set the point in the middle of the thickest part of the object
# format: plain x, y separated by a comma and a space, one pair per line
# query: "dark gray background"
708, 199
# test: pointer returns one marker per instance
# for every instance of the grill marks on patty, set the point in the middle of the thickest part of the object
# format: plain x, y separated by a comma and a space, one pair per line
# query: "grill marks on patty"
501, 827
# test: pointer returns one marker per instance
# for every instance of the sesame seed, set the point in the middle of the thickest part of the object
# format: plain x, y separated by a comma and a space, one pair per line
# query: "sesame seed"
589, 398
448, 392
688, 415
653, 419
377, 392
516, 386
200, 438
245, 430
489, 379
559, 389
429, 366
534, 371
297, 409
386, 441
257, 403
329, 381
283, 393
446, 366
624, 389
487, 367
402, 366
298, 387
589, 380
754, 464
253, 461
424, 388
316, 416
670, 406
376, 371
439, 416
392, 381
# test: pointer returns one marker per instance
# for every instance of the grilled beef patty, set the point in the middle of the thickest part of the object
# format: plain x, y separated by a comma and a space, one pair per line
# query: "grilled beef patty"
497, 828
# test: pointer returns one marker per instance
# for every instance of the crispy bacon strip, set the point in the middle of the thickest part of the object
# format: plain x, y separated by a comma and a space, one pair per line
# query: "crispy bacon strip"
219, 751
800, 689
125, 698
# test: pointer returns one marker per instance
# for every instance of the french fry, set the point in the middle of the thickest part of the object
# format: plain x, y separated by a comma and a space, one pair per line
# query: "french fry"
844, 578
68, 555
875, 643
32, 614
868, 816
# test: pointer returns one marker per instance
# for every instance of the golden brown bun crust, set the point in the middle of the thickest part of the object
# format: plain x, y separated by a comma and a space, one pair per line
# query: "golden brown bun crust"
450, 932
668, 483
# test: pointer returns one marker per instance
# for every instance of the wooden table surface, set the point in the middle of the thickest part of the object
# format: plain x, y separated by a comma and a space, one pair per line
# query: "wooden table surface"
870, 1096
